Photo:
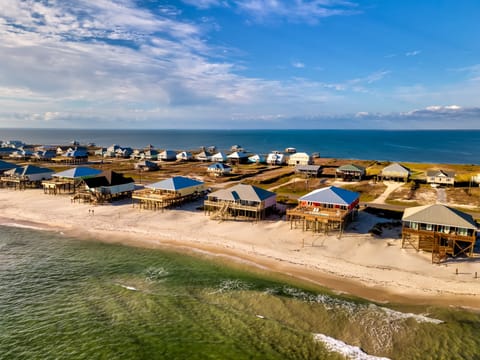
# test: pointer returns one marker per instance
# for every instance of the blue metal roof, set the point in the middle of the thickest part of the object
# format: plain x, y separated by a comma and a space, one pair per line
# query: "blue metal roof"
29, 170
331, 195
175, 183
218, 166
5, 165
78, 172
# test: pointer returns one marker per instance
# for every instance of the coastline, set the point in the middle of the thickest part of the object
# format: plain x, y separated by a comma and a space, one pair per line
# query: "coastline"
358, 264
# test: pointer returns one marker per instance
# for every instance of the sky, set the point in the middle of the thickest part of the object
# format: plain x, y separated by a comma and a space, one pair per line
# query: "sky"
228, 64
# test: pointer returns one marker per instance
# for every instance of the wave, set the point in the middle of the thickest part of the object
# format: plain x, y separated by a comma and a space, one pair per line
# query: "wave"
349, 351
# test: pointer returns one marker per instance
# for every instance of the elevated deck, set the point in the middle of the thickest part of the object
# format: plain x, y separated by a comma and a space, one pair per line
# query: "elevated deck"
319, 219
228, 209
148, 199
440, 244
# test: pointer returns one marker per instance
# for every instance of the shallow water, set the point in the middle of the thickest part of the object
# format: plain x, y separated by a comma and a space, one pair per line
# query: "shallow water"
69, 299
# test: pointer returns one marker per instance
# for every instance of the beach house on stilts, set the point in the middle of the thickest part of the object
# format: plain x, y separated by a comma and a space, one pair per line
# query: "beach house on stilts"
325, 209
105, 187
22, 177
240, 202
394, 172
439, 229
67, 181
168, 192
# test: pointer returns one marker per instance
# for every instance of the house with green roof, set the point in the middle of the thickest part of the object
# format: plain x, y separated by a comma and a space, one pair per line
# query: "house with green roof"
350, 172
439, 229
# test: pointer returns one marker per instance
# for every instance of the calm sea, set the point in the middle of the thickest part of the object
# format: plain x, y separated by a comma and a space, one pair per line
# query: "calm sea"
437, 146
62, 298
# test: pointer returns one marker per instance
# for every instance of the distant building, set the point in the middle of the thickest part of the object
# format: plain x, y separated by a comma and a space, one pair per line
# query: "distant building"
350, 172
257, 159
309, 170
276, 158
43, 155
300, 158
72, 156
440, 177
204, 156
219, 157
184, 156
238, 157
219, 169
146, 165
395, 172
167, 155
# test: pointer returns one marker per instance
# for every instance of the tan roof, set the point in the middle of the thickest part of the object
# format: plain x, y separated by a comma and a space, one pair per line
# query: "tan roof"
440, 215
395, 169
440, 173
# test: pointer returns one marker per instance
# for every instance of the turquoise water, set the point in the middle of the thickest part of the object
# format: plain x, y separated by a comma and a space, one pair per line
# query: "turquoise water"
63, 298
437, 146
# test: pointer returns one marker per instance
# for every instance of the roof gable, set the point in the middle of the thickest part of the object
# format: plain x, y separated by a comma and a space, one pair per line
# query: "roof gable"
440, 173
78, 172
5, 165
439, 214
396, 168
28, 170
107, 178
237, 155
219, 166
175, 183
351, 167
243, 192
331, 195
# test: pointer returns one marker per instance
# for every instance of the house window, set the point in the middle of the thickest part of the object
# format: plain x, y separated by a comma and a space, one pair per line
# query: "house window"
414, 225
429, 227
446, 229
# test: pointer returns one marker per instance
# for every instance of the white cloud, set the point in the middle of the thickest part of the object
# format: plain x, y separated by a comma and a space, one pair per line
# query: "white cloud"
298, 65
296, 11
413, 53
306, 11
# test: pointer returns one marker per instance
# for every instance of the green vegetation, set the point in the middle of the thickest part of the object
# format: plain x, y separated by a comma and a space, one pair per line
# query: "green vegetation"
368, 191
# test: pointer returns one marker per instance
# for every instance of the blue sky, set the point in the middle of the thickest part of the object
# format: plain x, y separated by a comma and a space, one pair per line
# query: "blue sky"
370, 64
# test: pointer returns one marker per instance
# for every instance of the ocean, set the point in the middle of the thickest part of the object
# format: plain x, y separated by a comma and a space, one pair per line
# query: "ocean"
425, 146
66, 298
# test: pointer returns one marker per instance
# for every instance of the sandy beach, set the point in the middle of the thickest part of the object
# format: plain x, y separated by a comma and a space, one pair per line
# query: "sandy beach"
358, 263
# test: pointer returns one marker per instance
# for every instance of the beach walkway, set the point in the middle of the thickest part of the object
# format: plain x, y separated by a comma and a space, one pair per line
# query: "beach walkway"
391, 187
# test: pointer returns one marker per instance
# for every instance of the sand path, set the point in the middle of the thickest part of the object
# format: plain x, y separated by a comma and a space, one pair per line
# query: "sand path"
391, 187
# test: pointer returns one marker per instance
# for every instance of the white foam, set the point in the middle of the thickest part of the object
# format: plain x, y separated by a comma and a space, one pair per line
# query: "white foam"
23, 226
349, 351
128, 287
